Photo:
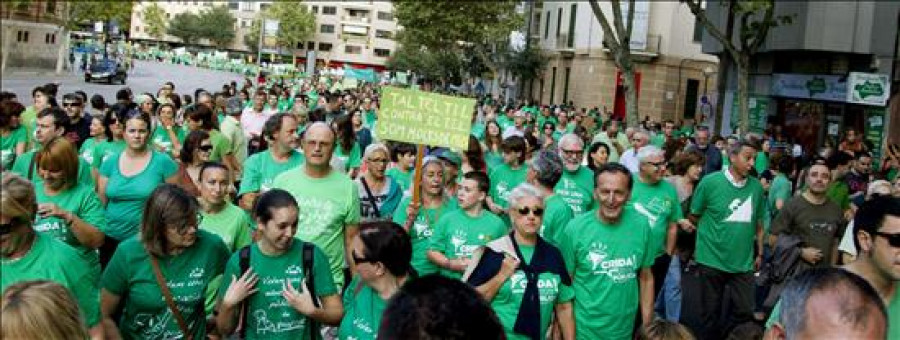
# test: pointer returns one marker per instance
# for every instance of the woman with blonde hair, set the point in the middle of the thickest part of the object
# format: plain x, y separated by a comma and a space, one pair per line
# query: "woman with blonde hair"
26, 255
40, 310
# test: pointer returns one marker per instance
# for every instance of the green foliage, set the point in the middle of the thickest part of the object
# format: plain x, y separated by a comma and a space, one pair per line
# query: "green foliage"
527, 63
430, 64
155, 17
295, 24
455, 25
86, 12
185, 26
217, 25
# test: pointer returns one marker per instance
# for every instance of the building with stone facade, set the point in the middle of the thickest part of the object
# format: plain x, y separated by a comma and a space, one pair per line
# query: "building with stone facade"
359, 33
673, 73
33, 35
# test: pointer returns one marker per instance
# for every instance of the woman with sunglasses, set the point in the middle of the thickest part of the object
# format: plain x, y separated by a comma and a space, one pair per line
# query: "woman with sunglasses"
27, 255
419, 218
114, 140
127, 179
381, 253
196, 151
171, 252
379, 194
522, 275
547, 136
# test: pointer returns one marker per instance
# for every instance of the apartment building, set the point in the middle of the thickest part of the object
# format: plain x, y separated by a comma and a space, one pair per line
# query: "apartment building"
357, 33
673, 73
33, 35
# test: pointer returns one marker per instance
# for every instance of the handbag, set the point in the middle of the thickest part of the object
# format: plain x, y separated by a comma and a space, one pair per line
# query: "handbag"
167, 294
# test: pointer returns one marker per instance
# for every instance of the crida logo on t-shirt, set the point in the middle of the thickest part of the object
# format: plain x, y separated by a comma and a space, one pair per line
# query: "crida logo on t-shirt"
619, 269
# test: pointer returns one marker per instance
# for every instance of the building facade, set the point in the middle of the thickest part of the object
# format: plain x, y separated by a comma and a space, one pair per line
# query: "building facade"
34, 35
828, 71
673, 74
359, 33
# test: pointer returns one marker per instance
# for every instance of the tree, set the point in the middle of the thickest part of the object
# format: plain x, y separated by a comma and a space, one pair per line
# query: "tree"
525, 64
86, 12
295, 25
756, 17
217, 25
155, 17
455, 25
185, 26
441, 65
618, 39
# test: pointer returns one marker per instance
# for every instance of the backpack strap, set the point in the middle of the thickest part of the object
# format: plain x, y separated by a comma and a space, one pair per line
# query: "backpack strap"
244, 263
31, 166
308, 251
370, 196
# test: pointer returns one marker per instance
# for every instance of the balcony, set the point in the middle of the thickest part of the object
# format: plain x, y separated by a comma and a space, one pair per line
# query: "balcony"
649, 52
356, 20
565, 47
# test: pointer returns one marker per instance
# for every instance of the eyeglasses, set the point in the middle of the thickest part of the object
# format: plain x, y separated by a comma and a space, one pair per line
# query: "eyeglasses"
662, 164
6, 228
205, 148
183, 229
893, 239
572, 152
527, 210
378, 160
359, 259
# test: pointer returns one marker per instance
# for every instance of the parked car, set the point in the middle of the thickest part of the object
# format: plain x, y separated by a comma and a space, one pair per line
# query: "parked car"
108, 70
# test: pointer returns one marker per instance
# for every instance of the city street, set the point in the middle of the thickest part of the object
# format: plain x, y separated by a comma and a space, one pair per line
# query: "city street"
147, 76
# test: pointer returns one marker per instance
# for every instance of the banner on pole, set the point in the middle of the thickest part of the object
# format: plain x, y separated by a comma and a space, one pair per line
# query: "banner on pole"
270, 36
425, 118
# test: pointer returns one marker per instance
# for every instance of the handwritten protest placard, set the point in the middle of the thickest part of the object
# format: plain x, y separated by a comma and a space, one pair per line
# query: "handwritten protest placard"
425, 118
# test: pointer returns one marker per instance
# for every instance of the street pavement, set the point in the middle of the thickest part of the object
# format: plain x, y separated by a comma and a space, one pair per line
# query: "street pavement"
147, 76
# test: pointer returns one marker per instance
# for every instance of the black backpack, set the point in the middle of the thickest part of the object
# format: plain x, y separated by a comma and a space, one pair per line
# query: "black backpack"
244, 263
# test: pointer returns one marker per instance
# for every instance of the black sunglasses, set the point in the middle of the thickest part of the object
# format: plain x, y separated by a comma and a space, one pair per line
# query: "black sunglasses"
358, 259
526, 210
6, 228
205, 148
71, 104
893, 239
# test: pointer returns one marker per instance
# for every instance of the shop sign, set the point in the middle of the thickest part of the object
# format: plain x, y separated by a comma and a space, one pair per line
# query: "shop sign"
868, 88
875, 117
758, 107
809, 86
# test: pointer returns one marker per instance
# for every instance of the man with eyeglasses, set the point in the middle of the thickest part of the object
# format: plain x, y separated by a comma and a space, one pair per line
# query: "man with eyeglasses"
577, 183
78, 129
608, 254
629, 159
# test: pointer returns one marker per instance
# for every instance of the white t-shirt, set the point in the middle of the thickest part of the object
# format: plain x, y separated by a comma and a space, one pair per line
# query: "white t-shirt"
847, 245
252, 122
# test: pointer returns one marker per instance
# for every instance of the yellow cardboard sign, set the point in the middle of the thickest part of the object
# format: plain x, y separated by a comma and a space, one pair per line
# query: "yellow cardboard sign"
425, 118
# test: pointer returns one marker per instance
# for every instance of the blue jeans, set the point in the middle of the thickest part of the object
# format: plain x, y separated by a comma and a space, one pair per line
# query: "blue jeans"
668, 302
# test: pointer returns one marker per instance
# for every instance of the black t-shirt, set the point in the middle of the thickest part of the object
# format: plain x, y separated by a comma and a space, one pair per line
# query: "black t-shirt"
857, 182
79, 132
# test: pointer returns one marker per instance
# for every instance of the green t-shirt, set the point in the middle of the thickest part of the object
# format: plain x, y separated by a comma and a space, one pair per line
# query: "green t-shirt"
232, 224
86, 151
762, 162
659, 204
326, 205
269, 316
104, 150
362, 312
503, 180
604, 261
658, 140
478, 130
81, 201
125, 195
129, 275
541, 120
260, 170
780, 189
163, 142
25, 160
221, 146
493, 159
838, 191
557, 214
421, 231
577, 189
344, 162
729, 216
28, 120
457, 234
8, 146
504, 122
53, 260
403, 178
551, 291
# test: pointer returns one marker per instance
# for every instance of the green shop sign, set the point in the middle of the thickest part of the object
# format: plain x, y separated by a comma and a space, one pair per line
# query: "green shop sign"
868, 88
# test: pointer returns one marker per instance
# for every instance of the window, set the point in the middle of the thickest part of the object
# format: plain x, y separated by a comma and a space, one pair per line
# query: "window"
233, 5
547, 26
353, 49
22, 36
325, 47
51, 6
247, 6
263, 7
558, 21
383, 34
326, 29
300, 45
386, 16
311, 45
381, 52
315, 9
329, 10
571, 42
698, 31
245, 23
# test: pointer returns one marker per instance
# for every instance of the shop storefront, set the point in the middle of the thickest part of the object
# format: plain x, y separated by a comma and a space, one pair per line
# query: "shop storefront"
817, 110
